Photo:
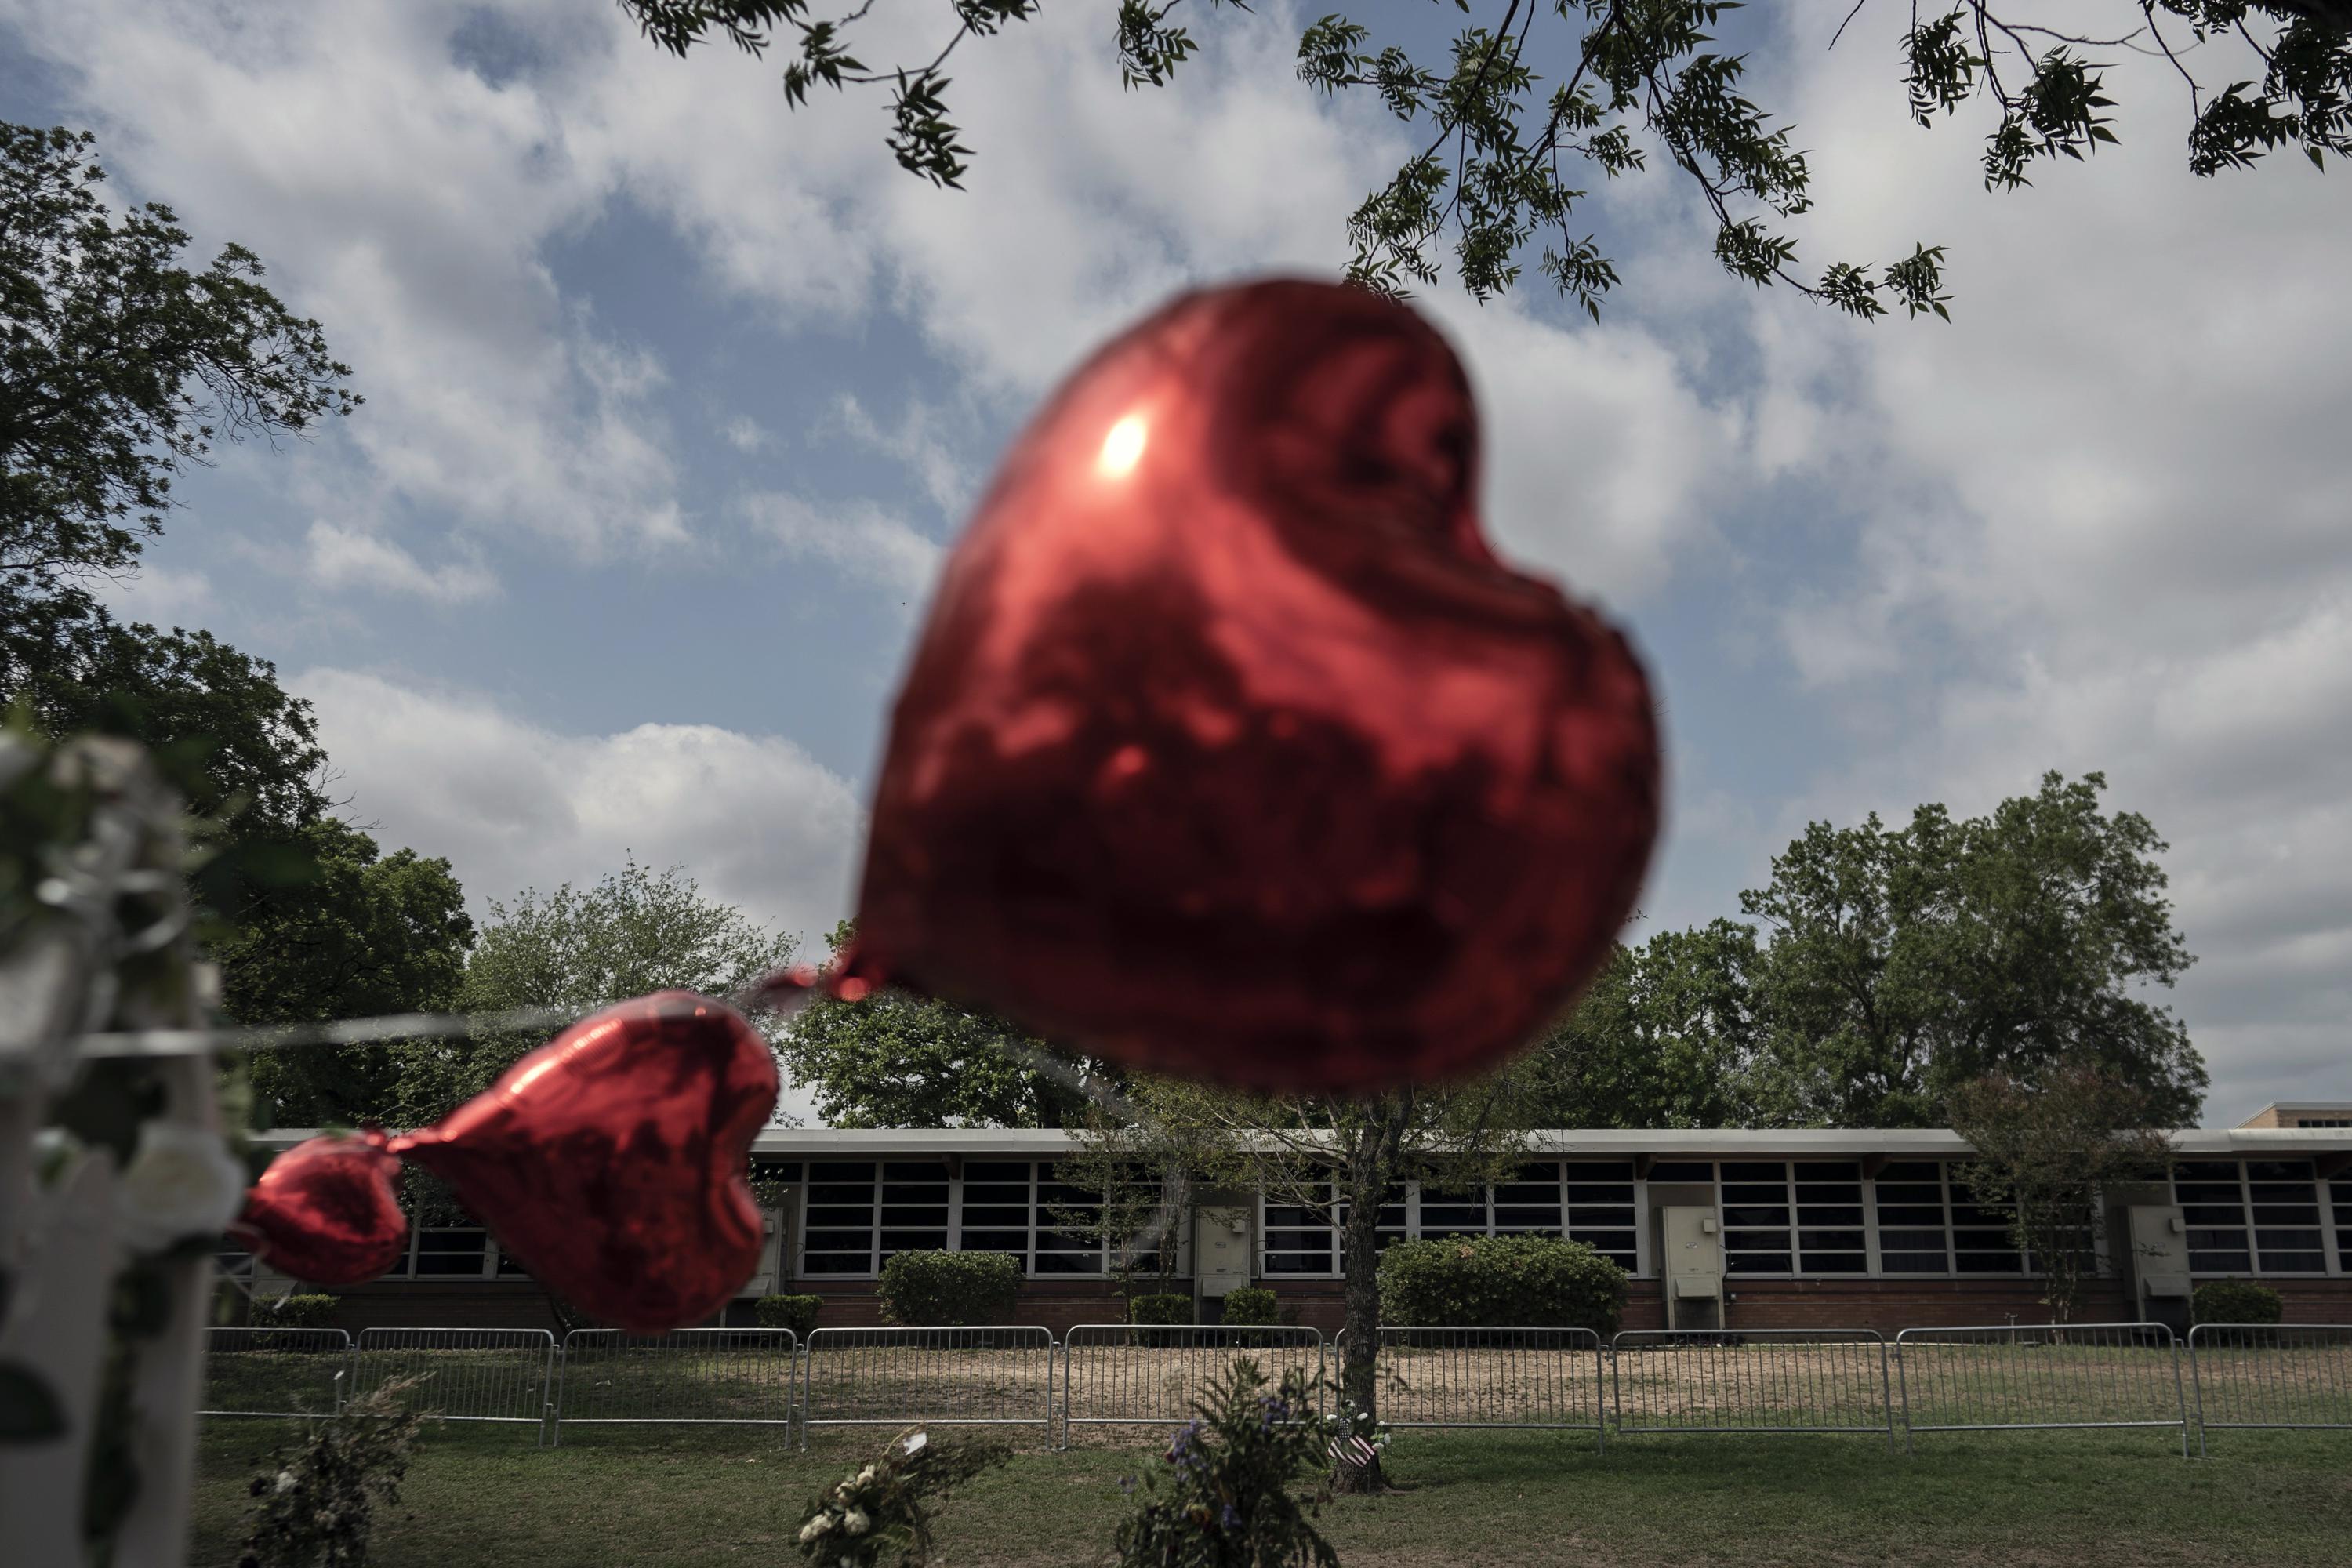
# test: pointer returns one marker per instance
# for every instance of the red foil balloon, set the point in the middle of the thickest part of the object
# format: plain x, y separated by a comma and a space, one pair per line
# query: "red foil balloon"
611, 1162
324, 1212
1231, 751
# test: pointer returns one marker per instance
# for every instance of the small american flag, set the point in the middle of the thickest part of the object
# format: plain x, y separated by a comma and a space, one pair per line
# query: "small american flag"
1353, 1450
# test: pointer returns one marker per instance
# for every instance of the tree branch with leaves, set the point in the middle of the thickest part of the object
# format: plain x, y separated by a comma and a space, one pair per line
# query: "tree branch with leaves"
1497, 178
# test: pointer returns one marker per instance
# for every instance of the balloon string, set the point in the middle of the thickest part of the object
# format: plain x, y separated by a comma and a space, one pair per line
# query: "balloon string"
779, 994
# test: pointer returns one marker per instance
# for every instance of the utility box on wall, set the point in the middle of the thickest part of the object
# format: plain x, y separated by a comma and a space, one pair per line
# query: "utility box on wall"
1222, 1257
1690, 1266
2154, 1261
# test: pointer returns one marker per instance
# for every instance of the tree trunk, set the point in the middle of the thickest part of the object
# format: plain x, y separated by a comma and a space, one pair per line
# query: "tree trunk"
1360, 1388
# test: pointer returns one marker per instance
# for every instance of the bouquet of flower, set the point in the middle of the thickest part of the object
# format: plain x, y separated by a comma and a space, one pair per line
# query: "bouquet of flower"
877, 1515
1221, 1496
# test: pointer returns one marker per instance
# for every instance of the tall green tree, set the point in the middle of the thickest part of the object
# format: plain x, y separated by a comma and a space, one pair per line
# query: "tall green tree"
1902, 963
635, 932
1528, 101
366, 934
895, 1059
120, 367
1882, 967
1665, 1036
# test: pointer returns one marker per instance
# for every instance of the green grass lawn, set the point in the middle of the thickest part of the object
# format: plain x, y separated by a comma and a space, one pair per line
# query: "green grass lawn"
671, 1497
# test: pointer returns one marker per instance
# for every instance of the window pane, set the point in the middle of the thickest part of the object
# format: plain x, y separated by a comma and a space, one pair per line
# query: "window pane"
838, 1237
460, 1253
1682, 1171
1061, 1253
1756, 1263
1449, 1214
2212, 1199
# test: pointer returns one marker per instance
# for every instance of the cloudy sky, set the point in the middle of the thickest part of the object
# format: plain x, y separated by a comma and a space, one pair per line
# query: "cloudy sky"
675, 398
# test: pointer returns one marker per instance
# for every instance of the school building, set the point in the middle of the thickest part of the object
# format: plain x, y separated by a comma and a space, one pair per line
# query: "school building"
1726, 1228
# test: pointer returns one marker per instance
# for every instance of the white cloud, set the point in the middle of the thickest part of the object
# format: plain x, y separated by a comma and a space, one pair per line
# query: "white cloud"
2101, 515
755, 819
745, 433
404, 201
342, 558
861, 539
159, 596
1601, 461
2104, 517
916, 442
1601, 458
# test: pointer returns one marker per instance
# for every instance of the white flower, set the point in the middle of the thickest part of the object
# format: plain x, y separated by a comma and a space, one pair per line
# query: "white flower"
814, 1529
182, 1182
856, 1523
914, 1443
865, 1474
285, 1480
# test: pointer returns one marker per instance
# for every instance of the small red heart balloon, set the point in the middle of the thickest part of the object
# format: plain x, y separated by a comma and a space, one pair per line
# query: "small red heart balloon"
612, 1161
1230, 750
325, 1211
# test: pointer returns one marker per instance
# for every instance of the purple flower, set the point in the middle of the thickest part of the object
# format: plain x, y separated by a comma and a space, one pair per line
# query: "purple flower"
1127, 1485
1231, 1520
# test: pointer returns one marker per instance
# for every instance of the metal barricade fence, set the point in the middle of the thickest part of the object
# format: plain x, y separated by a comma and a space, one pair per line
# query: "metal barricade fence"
2040, 1376
991, 1376
702, 1377
1753, 1380
2271, 1375
1134, 1374
275, 1372
1547, 1378
472, 1375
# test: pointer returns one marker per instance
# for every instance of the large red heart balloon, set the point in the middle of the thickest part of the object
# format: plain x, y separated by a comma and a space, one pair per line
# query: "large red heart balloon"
325, 1213
612, 1160
1230, 750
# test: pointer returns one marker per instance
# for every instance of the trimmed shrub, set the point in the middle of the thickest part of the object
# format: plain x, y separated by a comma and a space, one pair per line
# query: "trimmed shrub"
1157, 1309
314, 1311
1253, 1306
797, 1313
2236, 1301
1500, 1281
928, 1288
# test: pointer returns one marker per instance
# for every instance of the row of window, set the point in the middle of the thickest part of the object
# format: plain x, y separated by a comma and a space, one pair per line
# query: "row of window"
857, 1213
1780, 1218
1591, 1202
2262, 1216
